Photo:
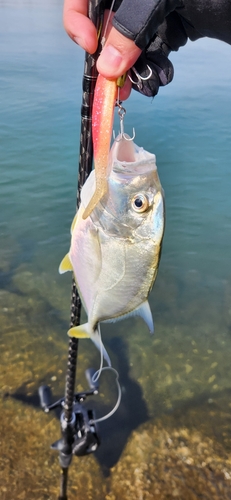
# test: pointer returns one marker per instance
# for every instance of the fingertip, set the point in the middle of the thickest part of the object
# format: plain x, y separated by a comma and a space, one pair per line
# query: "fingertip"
110, 62
118, 55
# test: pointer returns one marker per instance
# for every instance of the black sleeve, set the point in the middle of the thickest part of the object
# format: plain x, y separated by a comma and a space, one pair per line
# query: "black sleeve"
139, 20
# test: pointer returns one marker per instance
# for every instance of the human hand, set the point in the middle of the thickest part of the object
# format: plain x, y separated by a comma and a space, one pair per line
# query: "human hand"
83, 32
152, 31
119, 53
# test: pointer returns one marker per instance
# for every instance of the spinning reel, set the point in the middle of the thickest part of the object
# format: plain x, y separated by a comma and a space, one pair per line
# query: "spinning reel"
80, 434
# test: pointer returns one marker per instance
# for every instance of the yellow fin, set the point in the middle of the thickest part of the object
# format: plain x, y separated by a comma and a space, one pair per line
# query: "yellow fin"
84, 332
98, 194
79, 332
74, 222
65, 265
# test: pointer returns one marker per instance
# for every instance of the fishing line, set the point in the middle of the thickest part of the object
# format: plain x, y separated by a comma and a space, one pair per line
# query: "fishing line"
98, 372
96, 377
108, 415
103, 39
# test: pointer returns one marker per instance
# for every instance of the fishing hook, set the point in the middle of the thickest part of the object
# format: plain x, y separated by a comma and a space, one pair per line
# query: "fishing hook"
122, 113
140, 79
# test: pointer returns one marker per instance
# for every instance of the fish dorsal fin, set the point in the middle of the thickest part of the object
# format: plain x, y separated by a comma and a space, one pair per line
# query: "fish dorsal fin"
65, 265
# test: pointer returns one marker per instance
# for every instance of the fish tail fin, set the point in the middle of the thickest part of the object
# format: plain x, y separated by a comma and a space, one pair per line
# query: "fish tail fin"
65, 265
100, 191
84, 331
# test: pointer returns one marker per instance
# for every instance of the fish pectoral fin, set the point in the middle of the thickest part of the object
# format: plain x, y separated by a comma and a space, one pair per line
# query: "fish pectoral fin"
65, 265
77, 216
74, 222
144, 312
84, 332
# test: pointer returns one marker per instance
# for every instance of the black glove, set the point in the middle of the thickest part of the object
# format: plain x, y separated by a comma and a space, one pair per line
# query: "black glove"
160, 26
170, 36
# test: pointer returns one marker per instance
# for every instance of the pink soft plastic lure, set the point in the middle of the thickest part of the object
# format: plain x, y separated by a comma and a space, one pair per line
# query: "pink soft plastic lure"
102, 123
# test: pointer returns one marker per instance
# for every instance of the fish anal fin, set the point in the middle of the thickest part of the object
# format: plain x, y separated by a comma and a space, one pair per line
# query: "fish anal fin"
100, 191
65, 265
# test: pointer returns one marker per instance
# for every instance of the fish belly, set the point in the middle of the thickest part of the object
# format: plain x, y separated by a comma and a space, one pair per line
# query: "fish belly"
85, 256
126, 275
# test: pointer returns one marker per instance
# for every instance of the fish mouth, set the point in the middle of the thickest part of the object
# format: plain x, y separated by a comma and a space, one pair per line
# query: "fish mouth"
128, 158
125, 150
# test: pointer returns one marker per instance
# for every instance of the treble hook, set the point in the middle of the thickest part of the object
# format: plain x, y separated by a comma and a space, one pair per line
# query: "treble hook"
140, 79
122, 113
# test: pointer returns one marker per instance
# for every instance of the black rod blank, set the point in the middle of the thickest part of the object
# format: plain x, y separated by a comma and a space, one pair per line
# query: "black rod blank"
96, 10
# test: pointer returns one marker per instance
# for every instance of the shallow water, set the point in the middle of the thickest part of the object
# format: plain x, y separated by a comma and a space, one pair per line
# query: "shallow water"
186, 365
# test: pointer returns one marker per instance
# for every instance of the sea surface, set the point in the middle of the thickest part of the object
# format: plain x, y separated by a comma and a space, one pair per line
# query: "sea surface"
187, 126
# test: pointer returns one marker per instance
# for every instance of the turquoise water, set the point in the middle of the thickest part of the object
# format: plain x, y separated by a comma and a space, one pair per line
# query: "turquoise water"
187, 126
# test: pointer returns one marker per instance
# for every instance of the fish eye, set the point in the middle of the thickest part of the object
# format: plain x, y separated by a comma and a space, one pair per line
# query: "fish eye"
140, 203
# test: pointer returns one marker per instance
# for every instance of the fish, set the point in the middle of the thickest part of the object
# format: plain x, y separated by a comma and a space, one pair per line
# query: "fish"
102, 124
115, 252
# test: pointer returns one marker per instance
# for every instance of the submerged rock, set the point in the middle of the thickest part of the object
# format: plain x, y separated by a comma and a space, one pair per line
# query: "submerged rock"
29, 281
161, 462
9, 251
31, 352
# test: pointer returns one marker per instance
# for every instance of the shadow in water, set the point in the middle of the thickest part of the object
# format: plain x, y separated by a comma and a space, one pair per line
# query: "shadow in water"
32, 399
21, 395
131, 413
114, 431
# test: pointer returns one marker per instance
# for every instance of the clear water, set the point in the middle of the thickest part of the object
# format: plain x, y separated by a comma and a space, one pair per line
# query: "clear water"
187, 126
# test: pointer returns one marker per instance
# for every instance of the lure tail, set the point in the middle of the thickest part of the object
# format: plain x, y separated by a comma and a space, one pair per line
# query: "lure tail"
102, 123
100, 191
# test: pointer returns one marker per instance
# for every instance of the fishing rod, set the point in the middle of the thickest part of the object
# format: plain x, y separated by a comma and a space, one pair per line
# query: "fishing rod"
79, 431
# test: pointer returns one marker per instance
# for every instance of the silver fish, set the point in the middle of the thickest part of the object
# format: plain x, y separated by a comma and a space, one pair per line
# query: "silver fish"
115, 252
